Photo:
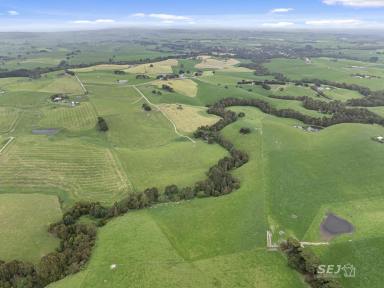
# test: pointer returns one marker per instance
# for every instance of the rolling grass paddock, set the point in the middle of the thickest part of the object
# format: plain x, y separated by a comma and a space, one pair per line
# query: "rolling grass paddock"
150, 260
23, 99
8, 118
101, 67
24, 222
365, 215
53, 83
183, 86
377, 110
84, 171
81, 117
107, 77
363, 254
325, 68
293, 177
161, 166
208, 62
153, 68
188, 118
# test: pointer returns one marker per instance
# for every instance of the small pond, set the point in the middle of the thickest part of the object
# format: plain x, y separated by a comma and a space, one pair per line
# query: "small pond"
333, 226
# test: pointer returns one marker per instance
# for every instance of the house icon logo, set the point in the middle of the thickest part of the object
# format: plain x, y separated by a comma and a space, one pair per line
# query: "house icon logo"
349, 271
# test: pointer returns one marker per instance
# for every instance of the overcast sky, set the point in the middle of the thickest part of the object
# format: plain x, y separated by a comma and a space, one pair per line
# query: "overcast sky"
52, 15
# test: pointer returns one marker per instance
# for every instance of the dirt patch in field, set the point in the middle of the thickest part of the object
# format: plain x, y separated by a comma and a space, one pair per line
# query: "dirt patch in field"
187, 118
186, 87
162, 67
208, 62
102, 67
333, 226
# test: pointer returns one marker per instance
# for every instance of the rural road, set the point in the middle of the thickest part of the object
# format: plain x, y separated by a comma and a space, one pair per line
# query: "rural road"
165, 115
150, 103
81, 84
6, 144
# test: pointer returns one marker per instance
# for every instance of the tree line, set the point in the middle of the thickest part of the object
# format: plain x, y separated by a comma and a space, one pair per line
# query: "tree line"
37, 72
307, 263
341, 115
371, 98
339, 111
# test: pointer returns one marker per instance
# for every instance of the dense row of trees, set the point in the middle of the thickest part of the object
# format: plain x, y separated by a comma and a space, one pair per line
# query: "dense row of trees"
37, 72
339, 111
371, 98
341, 115
268, 82
74, 251
306, 262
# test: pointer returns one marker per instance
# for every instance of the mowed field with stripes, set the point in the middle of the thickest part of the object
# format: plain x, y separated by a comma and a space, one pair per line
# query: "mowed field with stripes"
75, 161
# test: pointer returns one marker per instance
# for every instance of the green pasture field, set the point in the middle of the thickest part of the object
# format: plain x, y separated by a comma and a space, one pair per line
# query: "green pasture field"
363, 254
24, 222
186, 65
85, 171
156, 166
31, 63
107, 77
54, 83
292, 179
378, 110
80, 117
150, 259
104, 52
8, 118
325, 68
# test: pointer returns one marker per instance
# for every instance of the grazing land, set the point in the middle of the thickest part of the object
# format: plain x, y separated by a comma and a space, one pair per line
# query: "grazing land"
188, 118
162, 67
208, 62
312, 115
24, 225
185, 87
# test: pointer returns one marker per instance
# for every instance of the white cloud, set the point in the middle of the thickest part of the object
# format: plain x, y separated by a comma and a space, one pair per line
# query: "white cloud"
168, 17
13, 13
356, 3
277, 24
97, 21
333, 22
105, 21
165, 18
281, 10
138, 15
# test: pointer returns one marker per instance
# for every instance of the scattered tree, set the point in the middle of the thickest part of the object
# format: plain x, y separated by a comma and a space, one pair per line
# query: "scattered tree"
102, 124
